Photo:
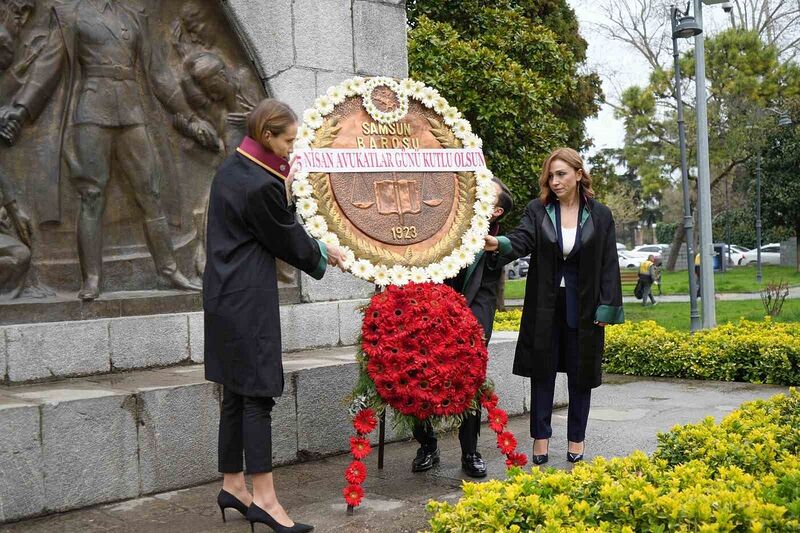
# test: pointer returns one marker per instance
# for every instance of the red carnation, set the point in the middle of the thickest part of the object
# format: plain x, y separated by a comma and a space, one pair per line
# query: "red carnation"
489, 400
497, 419
353, 494
516, 459
506, 442
361, 448
365, 421
356, 473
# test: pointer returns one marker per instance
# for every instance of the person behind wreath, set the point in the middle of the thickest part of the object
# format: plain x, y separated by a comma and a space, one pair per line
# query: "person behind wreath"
572, 292
250, 225
479, 285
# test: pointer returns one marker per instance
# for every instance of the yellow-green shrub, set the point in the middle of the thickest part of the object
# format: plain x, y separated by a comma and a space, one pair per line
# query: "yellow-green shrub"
678, 489
756, 352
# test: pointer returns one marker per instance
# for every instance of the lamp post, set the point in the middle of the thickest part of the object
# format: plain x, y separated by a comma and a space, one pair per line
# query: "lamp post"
704, 173
685, 28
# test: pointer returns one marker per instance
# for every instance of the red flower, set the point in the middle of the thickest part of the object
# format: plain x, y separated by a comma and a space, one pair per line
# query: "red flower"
353, 494
516, 459
365, 421
360, 447
356, 473
506, 442
489, 400
497, 420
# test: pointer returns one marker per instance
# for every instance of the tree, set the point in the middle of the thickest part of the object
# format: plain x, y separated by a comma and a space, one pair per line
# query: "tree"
513, 69
780, 184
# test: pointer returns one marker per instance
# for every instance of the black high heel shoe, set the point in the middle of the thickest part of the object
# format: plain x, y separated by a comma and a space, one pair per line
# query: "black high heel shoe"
541, 459
257, 515
226, 500
576, 457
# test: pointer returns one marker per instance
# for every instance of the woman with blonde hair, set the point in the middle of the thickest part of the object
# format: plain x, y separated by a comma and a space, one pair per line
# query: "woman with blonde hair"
572, 292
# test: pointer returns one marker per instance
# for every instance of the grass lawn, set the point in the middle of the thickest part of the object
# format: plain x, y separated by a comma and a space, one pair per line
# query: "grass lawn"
675, 316
739, 279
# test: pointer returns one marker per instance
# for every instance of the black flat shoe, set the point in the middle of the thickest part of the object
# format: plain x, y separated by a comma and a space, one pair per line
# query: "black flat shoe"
575, 457
541, 459
257, 515
472, 464
425, 460
226, 500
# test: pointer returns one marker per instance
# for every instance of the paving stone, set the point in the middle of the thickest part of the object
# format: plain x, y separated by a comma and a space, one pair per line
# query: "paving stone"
21, 475
196, 338
266, 28
312, 325
37, 351
177, 449
145, 341
350, 320
336, 285
379, 31
323, 34
89, 445
295, 86
323, 423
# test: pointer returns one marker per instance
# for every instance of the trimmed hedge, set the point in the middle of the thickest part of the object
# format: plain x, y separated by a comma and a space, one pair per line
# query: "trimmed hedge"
755, 352
740, 475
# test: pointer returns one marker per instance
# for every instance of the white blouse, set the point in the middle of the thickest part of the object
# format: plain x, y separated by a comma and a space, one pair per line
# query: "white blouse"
568, 239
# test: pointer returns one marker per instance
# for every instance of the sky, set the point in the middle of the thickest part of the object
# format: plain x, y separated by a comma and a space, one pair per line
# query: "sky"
619, 67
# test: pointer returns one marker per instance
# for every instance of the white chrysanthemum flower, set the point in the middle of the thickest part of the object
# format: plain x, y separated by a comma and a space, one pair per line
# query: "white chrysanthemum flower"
313, 118
472, 240
417, 91
479, 224
306, 207
483, 174
317, 226
323, 104
451, 115
382, 276
301, 188
330, 239
435, 273
483, 209
439, 105
300, 144
407, 86
304, 134
349, 88
462, 128
400, 275
359, 84
428, 96
463, 257
473, 142
486, 194
349, 257
418, 275
450, 267
363, 269
336, 94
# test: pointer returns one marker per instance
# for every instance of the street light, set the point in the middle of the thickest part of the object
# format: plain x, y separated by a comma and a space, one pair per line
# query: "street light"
685, 29
784, 120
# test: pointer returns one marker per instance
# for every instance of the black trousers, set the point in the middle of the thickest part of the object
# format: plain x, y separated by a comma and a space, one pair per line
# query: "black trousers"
467, 434
245, 425
565, 355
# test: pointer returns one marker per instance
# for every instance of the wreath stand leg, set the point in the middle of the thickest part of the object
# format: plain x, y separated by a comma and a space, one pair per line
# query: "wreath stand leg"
381, 439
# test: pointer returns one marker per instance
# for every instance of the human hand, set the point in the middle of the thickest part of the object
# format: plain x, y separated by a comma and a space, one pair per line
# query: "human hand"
601, 324
336, 257
11, 120
490, 243
21, 221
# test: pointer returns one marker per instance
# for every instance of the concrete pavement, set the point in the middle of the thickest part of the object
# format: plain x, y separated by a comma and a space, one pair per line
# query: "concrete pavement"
626, 414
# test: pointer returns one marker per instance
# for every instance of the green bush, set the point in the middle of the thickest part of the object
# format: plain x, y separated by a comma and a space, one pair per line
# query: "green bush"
755, 352
740, 475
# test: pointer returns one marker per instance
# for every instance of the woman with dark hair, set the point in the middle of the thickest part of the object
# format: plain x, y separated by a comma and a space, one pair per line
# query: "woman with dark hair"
573, 291
250, 224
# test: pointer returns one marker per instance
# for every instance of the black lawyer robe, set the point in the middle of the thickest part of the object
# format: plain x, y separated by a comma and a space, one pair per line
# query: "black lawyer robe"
479, 284
249, 225
599, 291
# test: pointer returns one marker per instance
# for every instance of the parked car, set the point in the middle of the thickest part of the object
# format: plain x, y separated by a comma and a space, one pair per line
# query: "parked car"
736, 254
621, 247
518, 268
626, 260
640, 253
770, 255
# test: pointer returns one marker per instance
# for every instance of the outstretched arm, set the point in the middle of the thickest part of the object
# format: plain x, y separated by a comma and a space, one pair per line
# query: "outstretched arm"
519, 242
